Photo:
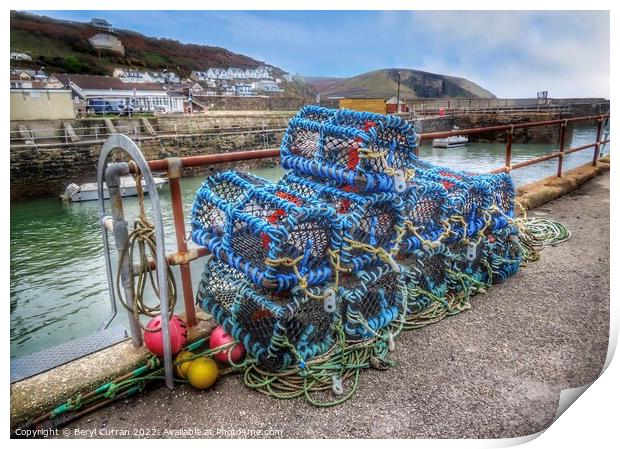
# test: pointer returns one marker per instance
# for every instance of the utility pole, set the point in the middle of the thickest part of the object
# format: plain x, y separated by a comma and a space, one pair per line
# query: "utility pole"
398, 95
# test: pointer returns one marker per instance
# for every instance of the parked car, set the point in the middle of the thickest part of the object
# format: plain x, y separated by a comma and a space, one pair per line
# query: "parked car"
105, 107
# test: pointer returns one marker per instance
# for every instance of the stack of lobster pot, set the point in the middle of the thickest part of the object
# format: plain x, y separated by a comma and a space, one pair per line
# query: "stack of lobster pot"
356, 163
268, 280
359, 233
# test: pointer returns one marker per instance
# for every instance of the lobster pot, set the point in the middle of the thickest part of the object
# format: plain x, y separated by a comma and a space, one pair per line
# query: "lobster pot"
279, 330
344, 154
504, 253
427, 276
316, 113
217, 195
489, 196
372, 299
471, 198
393, 136
470, 265
371, 221
390, 135
503, 198
273, 235
427, 208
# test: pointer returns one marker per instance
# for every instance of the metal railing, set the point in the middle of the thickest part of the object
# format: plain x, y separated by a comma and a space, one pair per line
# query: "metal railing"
87, 135
185, 253
424, 110
509, 130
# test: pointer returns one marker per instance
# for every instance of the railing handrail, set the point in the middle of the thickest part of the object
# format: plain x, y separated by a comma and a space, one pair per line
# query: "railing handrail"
496, 128
193, 161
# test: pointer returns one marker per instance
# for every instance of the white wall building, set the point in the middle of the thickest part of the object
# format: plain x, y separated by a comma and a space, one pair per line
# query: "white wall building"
132, 76
136, 76
267, 86
142, 96
244, 90
19, 56
101, 24
104, 41
236, 73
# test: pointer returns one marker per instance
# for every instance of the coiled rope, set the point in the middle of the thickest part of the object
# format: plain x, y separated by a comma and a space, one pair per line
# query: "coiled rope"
142, 237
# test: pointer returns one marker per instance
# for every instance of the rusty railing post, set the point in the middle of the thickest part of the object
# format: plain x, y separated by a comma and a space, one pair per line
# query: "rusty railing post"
597, 147
174, 175
561, 157
508, 163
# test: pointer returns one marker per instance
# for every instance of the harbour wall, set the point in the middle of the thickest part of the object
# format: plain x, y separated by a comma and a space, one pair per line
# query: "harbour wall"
45, 164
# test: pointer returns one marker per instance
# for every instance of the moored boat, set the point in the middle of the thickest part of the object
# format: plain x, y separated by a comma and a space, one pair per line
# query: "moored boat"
88, 191
450, 142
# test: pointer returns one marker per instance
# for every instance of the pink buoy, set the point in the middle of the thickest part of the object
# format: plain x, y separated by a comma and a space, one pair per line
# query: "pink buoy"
220, 337
154, 341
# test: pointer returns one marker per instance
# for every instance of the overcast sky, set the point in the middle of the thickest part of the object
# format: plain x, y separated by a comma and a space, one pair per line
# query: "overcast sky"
511, 53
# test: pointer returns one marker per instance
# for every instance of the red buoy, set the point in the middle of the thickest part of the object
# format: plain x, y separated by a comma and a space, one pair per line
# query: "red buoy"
154, 340
220, 337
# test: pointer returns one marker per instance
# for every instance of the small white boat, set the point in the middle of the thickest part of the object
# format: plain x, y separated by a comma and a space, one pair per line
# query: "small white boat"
451, 142
88, 191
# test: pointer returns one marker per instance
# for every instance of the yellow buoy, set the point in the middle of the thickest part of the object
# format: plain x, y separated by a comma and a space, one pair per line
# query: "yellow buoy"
202, 373
181, 368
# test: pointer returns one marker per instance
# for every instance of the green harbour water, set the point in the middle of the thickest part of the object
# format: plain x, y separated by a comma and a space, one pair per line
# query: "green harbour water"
58, 287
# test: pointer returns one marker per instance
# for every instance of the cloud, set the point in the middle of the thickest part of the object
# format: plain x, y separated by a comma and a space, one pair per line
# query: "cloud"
517, 53
511, 53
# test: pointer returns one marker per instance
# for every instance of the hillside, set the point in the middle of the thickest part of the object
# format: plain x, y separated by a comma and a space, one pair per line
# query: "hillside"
413, 84
63, 46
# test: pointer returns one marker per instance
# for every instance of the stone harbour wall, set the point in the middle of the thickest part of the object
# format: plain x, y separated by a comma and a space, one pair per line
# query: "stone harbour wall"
46, 166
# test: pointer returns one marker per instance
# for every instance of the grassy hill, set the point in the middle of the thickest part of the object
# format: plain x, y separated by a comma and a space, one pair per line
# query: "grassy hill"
61, 45
384, 84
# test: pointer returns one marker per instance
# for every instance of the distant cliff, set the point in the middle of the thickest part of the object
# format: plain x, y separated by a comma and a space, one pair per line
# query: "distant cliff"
413, 84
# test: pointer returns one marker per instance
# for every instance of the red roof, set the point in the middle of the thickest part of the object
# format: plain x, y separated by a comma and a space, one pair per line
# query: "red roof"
103, 82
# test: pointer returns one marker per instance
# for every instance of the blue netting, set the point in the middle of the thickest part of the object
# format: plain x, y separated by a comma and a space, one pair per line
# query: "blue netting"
278, 329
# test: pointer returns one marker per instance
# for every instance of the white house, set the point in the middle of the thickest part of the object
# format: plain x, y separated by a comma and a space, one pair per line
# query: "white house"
216, 73
164, 77
243, 90
236, 73
101, 24
253, 74
267, 86
197, 75
19, 56
263, 72
142, 96
104, 41
132, 76
288, 77
213, 73
38, 75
